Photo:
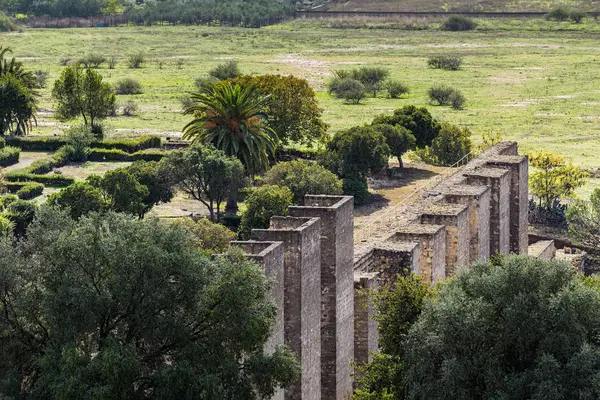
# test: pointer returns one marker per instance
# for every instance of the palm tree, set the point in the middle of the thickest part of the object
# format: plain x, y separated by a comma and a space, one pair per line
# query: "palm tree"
18, 97
231, 118
15, 68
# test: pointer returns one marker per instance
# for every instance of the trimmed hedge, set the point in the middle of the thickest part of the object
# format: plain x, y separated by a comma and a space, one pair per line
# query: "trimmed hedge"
48, 180
289, 154
9, 155
30, 190
119, 155
54, 143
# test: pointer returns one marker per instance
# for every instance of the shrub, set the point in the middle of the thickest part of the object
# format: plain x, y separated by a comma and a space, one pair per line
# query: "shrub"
40, 78
130, 145
446, 96
136, 60
80, 198
128, 86
9, 155
396, 89
214, 238
228, 70
457, 23
372, 78
6, 24
6, 200
451, 145
304, 177
350, 90
357, 186
179, 63
112, 62
417, 120
30, 191
129, 108
265, 202
577, 16
449, 63
79, 139
21, 213
558, 14
92, 60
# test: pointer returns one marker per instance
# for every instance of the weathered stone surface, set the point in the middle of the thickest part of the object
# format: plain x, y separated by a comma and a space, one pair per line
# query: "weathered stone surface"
337, 294
365, 327
301, 238
543, 250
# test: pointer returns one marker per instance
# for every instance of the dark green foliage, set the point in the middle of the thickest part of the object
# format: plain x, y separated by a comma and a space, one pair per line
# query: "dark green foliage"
304, 177
79, 138
446, 96
156, 179
265, 202
417, 120
447, 62
357, 186
398, 138
17, 105
6, 200
79, 198
577, 16
206, 174
81, 93
396, 89
9, 155
122, 191
30, 190
131, 145
108, 299
397, 309
558, 14
21, 213
57, 180
136, 60
228, 70
120, 155
36, 144
452, 145
522, 329
459, 23
584, 221
350, 90
372, 78
2, 143
209, 236
128, 86
6, 24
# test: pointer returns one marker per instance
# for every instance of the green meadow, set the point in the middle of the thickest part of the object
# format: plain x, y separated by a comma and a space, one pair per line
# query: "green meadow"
534, 81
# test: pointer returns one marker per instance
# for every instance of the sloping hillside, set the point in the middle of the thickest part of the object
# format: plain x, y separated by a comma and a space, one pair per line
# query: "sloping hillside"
461, 5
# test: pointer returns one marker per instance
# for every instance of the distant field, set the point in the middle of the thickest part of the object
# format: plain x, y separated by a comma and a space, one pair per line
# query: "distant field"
461, 5
534, 81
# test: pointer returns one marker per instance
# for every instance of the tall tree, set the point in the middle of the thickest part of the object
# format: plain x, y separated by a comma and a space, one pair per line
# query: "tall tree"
109, 307
231, 117
206, 174
417, 120
520, 329
81, 93
18, 98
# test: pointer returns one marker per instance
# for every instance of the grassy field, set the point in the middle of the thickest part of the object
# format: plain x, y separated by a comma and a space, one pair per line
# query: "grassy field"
461, 5
534, 81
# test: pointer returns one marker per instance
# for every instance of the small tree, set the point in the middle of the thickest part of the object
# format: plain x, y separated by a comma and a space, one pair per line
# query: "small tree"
265, 202
446, 96
121, 191
447, 62
17, 106
553, 178
137, 60
156, 178
372, 78
128, 86
209, 236
79, 198
584, 221
459, 23
82, 93
79, 138
417, 120
396, 89
350, 90
451, 146
228, 70
558, 14
398, 138
206, 174
303, 177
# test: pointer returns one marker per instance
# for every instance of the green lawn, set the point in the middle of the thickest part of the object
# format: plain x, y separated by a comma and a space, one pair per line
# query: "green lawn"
538, 86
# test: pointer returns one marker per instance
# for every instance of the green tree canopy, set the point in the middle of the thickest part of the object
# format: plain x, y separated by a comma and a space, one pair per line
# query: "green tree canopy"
18, 98
121, 191
81, 93
206, 174
110, 308
398, 138
292, 107
80, 198
265, 202
232, 118
417, 120
521, 329
304, 177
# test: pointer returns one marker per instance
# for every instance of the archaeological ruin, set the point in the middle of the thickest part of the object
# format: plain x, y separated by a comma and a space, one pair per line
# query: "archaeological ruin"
320, 274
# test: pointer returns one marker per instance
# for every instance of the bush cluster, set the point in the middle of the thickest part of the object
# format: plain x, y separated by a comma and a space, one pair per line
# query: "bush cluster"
228, 70
30, 190
128, 86
265, 202
458, 23
136, 60
563, 14
447, 96
92, 61
451, 146
447, 62
396, 89
96, 154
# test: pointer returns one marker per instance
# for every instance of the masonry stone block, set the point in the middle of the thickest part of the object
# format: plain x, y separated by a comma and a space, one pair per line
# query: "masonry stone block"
301, 239
543, 250
477, 198
519, 199
337, 295
455, 218
498, 180
432, 242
